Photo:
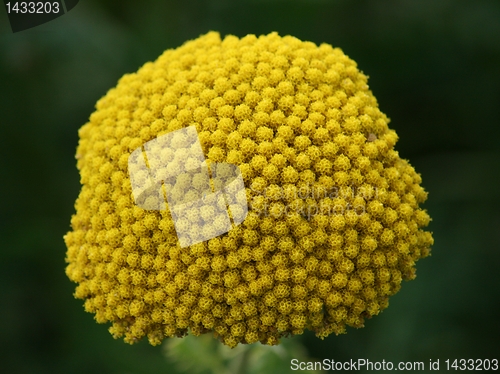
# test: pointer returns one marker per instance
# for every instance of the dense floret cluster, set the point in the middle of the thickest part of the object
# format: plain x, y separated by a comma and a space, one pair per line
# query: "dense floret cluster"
333, 225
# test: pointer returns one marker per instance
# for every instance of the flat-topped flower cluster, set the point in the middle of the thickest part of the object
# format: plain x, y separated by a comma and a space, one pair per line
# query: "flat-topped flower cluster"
292, 116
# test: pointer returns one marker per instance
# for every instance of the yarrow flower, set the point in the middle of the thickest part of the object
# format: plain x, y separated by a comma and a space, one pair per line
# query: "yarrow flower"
333, 223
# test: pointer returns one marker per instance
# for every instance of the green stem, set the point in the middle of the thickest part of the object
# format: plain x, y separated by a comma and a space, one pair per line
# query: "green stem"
242, 362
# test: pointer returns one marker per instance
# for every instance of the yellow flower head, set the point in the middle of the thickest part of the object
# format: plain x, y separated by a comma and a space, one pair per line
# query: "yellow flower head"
246, 187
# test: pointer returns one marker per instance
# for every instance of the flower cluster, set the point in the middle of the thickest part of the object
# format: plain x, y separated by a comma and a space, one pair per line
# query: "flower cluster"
291, 115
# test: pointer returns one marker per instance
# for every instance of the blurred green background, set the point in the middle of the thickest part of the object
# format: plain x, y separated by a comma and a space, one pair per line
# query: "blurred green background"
434, 66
